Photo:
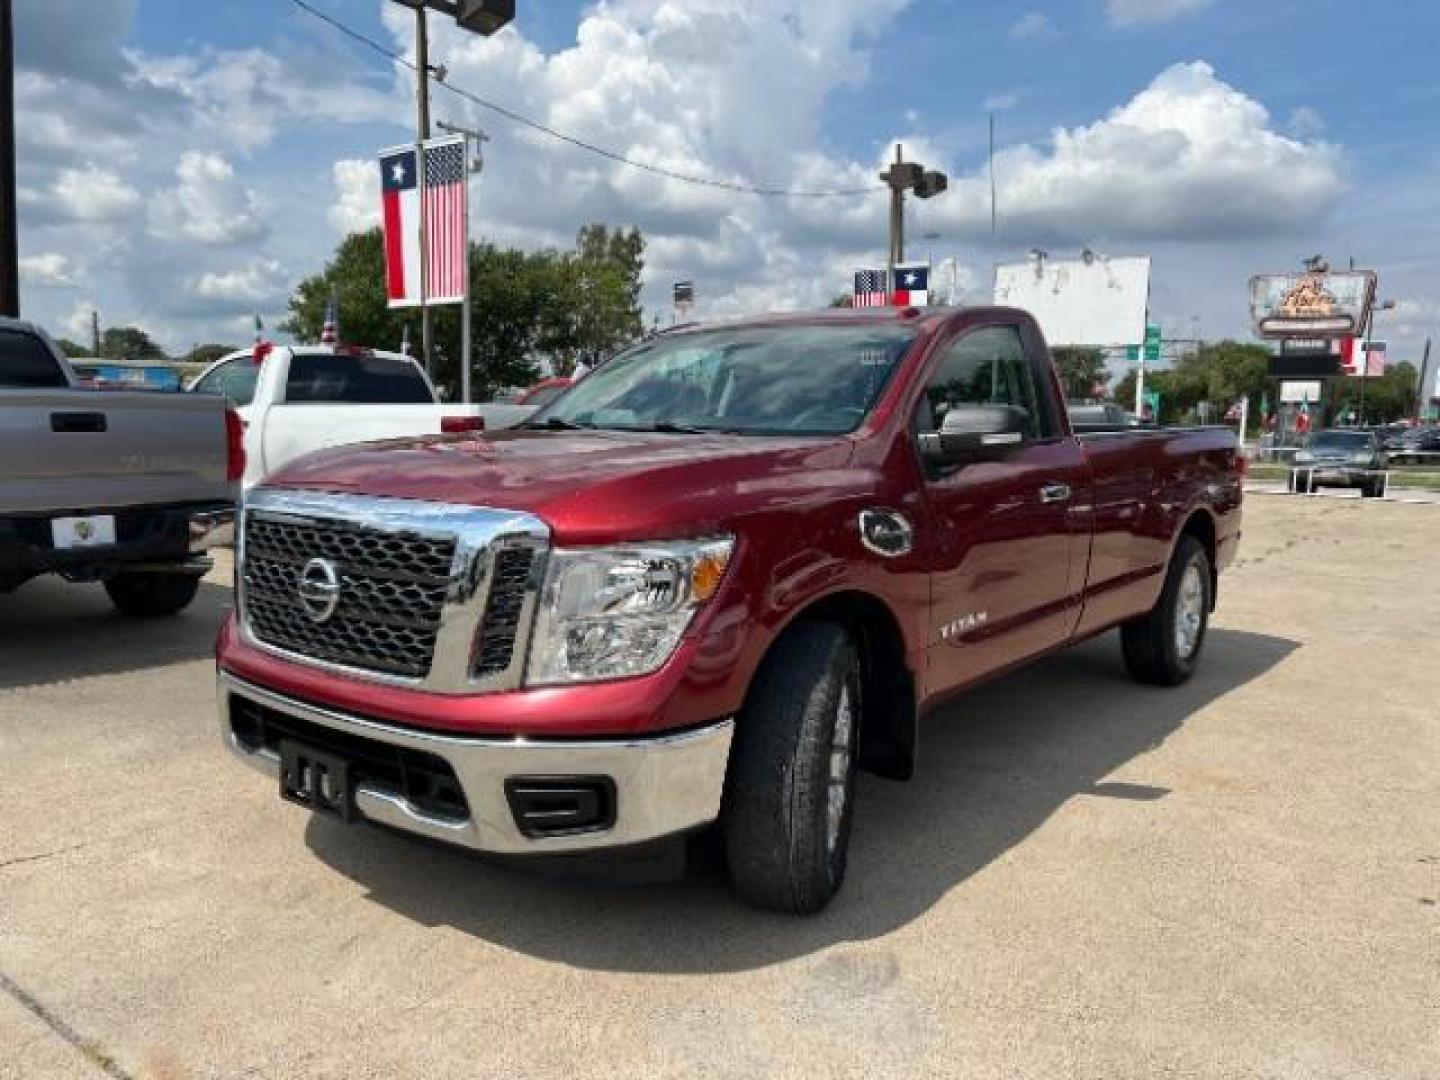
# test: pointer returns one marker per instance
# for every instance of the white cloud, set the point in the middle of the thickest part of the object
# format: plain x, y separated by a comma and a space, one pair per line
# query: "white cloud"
1138, 12
1001, 102
1032, 24
208, 205
357, 195
93, 193
1306, 123
260, 282
48, 270
76, 324
1188, 157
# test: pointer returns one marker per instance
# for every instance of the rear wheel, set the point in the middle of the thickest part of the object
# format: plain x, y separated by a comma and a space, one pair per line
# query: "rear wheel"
790, 796
152, 595
1163, 647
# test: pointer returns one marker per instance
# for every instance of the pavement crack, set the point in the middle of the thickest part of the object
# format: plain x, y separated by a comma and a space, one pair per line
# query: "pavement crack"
7, 863
92, 1051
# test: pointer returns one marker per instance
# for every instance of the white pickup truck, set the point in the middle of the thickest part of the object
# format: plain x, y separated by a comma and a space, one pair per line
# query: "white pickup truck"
301, 398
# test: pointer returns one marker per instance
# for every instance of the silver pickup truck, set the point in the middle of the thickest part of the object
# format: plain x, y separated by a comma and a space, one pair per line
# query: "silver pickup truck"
129, 489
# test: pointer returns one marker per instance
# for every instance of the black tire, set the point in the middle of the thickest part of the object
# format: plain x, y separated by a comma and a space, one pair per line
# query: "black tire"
781, 849
1153, 654
148, 596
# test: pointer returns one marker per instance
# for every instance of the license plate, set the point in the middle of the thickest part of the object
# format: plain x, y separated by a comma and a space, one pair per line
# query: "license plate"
97, 530
316, 780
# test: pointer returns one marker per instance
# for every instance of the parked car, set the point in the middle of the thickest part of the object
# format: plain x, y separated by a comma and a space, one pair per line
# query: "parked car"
128, 489
125, 375
719, 575
1417, 446
544, 392
1341, 457
297, 400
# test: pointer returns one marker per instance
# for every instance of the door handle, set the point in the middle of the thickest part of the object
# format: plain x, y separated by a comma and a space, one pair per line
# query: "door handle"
1054, 493
70, 422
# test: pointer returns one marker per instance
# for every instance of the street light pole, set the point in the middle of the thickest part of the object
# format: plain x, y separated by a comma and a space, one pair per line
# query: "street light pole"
903, 176
422, 130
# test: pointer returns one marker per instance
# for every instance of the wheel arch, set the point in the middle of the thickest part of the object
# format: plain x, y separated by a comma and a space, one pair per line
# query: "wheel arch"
889, 718
1201, 525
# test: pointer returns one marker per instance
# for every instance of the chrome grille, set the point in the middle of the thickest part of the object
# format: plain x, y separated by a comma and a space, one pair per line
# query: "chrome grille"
510, 583
393, 592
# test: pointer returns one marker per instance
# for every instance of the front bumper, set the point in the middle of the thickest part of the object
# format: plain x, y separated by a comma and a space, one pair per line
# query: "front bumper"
662, 784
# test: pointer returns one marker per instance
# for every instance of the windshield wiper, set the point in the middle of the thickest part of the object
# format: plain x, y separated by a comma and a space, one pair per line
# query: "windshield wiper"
554, 423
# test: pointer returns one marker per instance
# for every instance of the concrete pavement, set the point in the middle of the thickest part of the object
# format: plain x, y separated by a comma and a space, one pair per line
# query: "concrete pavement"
1087, 879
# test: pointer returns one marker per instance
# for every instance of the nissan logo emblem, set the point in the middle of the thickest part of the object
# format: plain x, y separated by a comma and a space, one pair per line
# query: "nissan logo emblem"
319, 589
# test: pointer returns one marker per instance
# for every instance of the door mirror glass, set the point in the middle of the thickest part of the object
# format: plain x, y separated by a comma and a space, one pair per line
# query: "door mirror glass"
972, 432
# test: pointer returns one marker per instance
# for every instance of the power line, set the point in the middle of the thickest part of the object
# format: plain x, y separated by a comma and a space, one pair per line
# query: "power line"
544, 129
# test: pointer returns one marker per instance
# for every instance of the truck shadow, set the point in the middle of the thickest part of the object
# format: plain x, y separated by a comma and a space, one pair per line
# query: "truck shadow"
52, 631
994, 767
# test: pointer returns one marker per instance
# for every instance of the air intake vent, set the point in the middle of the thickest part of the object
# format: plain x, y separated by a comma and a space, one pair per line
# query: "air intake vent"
508, 588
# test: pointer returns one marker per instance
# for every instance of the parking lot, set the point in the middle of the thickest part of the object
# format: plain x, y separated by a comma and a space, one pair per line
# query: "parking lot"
1088, 878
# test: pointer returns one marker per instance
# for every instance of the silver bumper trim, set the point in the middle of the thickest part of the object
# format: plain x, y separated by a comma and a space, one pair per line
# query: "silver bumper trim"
664, 784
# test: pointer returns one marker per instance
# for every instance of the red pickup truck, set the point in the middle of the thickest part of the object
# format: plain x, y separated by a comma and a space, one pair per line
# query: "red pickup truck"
705, 585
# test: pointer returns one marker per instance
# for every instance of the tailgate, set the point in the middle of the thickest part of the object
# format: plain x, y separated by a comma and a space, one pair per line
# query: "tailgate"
85, 449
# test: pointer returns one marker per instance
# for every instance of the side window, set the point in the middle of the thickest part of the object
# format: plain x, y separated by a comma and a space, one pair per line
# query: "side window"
986, 366
236, 381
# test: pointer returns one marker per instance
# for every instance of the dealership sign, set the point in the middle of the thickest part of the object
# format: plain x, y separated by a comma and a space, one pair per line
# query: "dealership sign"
1312, 304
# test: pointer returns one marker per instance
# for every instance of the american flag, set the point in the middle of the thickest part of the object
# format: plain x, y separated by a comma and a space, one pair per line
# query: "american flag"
330, 331
445, 216
870, 290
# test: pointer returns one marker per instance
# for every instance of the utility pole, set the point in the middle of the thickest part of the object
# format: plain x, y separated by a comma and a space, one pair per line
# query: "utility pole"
1379, 305
95, 332
9, 237
907, 176
473, 165
1422, 397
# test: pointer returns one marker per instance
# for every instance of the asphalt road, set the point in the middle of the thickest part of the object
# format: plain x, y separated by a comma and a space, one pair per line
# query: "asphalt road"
1088, 878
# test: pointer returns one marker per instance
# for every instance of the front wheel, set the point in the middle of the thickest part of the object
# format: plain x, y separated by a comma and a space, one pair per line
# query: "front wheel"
149, 596
1163, 647
790, 795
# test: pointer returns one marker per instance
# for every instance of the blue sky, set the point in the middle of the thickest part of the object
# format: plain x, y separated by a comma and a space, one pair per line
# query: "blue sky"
184, 163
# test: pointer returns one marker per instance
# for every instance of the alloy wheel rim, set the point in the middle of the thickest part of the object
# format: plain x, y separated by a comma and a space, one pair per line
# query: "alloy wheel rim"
1189, 612
837, 794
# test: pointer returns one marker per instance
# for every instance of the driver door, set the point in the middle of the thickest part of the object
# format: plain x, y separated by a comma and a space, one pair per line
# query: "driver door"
1002, 527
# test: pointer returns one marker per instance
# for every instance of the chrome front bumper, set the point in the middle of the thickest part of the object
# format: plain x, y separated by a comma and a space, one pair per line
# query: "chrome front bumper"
664, 784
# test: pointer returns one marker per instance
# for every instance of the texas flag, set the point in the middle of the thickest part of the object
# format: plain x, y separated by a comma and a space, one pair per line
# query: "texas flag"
912, 285
400, 203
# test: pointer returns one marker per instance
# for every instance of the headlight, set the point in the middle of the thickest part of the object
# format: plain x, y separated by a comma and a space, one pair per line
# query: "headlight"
609, 613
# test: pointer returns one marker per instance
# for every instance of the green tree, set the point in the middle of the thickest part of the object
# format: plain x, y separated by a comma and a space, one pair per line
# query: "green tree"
1081, 370
1221, 373
208, 354
129, 343
1388, 397
844, 300
72, 349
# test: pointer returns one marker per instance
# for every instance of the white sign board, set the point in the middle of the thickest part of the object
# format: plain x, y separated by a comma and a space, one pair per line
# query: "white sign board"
1296, 392
1097, 301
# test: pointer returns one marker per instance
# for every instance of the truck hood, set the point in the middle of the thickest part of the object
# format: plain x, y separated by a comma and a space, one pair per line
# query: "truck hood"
591, 487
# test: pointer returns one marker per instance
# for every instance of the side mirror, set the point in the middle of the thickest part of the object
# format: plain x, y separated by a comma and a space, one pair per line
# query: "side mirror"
973, 432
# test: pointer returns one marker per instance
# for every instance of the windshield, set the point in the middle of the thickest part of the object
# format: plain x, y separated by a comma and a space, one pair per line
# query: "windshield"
1348, 441
792, 380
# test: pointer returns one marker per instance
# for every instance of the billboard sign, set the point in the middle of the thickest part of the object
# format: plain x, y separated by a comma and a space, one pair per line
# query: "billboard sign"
1095, 301
1312, 304
1295, 392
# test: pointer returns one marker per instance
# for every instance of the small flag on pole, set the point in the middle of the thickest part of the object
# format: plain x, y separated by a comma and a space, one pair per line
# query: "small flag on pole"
869, 288
330, 332
912, 285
